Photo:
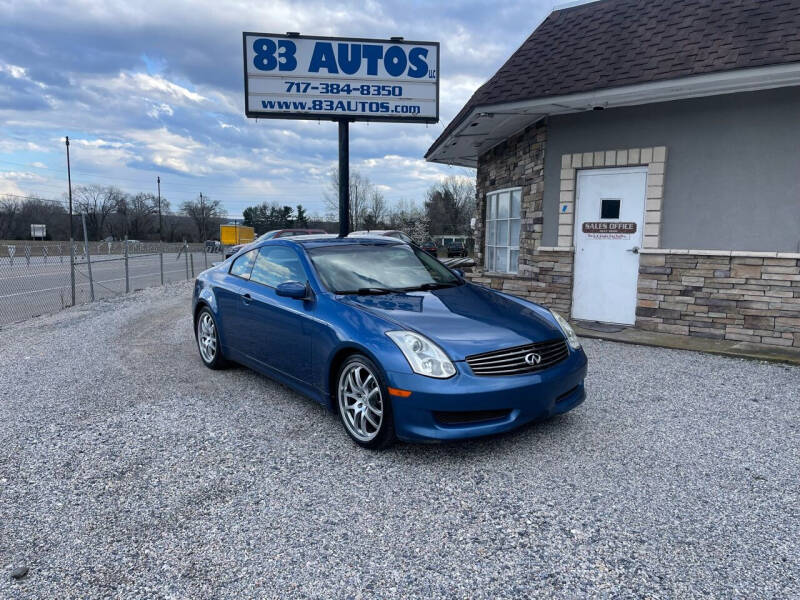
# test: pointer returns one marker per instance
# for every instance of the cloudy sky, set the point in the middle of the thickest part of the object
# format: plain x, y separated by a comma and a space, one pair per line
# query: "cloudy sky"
155, 88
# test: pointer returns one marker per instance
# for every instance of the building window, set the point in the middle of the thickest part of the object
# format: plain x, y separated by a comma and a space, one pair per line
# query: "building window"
502, 230
609, 209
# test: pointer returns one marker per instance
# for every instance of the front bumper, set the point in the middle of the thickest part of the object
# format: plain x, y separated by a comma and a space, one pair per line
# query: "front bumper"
521, 398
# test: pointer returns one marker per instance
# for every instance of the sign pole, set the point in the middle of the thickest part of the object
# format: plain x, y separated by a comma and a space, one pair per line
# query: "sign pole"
344, 177
160, 235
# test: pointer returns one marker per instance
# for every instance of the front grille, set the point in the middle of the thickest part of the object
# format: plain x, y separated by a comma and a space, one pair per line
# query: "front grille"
511, 361
470, 416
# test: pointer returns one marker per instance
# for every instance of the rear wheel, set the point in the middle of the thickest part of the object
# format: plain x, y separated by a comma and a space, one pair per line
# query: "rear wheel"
364, 405
207, 336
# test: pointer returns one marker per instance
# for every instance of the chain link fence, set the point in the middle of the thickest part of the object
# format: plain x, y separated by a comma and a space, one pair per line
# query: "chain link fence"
44, 277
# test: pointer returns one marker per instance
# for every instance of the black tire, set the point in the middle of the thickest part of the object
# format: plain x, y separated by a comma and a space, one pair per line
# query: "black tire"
217, 360
374, 438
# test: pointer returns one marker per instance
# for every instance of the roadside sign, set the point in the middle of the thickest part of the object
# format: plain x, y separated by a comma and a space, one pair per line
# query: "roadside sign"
306, 77
38, 231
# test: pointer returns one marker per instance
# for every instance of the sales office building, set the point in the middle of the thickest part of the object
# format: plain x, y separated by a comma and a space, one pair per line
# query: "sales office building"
638, 162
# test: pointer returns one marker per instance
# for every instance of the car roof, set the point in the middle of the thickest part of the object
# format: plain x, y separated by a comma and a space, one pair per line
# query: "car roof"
331, 239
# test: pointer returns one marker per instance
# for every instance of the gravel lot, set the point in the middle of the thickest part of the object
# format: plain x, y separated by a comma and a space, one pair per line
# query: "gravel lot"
129, 470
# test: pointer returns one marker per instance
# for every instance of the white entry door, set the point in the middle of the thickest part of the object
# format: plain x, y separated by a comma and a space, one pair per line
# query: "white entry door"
609, 218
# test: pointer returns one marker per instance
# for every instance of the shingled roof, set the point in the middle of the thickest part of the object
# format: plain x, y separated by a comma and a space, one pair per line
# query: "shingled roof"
613, 43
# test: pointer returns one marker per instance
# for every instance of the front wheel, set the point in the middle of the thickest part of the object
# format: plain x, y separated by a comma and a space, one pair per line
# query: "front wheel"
364, 405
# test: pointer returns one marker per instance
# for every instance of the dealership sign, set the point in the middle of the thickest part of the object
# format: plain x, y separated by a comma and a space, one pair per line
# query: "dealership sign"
303, 77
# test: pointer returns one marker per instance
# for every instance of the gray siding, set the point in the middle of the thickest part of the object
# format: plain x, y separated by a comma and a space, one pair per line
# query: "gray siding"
732, 173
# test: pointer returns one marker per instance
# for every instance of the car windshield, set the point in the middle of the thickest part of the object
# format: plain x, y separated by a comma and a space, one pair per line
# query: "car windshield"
379, 268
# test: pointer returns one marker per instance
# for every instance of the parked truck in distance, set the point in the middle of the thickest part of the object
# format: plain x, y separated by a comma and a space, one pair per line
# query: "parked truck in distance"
234, 235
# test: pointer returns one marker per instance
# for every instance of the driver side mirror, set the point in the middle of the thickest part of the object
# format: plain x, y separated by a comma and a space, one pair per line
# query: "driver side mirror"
292, 289
458, 272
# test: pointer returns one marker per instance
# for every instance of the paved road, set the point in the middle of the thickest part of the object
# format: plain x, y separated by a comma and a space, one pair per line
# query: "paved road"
27, 290
128, 470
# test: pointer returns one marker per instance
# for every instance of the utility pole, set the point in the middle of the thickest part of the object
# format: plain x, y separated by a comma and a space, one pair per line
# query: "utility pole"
202, 219
354, 198
71, 233
160, 235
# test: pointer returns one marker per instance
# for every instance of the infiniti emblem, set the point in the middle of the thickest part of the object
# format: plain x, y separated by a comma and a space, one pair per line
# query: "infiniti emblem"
533, 358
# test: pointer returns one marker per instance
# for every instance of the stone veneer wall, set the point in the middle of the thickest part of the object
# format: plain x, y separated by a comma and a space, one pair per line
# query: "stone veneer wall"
548, 281
544, 277
748, 297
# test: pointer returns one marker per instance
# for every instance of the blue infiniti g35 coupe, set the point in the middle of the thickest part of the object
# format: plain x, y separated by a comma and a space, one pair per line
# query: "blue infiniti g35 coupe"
389, 338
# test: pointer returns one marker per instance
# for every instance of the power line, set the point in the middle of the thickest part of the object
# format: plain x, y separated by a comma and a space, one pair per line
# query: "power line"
38, 198
117, 177
222, 192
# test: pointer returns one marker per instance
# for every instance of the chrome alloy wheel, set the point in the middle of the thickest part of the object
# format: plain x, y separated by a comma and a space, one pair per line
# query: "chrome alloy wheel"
360, 402
207, 337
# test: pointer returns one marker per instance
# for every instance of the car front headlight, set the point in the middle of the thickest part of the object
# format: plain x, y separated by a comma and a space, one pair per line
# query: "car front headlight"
572, 338
425, 357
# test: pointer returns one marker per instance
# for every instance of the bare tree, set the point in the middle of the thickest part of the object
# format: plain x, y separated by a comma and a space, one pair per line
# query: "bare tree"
376, 209
142, 209
97, 202
204, 212
407, 216
9, 208
364, 197
17, 215
450, 204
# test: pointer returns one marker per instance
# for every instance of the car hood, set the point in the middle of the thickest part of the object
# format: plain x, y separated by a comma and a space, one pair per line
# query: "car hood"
463, 320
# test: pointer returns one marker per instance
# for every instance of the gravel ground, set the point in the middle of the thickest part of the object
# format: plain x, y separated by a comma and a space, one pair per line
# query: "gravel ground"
129, 470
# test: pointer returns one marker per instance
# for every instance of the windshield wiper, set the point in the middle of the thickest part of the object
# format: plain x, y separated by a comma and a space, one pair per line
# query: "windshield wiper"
368, 290
430, 286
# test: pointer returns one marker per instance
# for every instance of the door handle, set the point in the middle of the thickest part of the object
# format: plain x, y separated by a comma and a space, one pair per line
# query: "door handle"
635, 250
246, 298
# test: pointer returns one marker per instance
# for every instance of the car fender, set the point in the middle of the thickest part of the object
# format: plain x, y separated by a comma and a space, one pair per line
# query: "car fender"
364, 333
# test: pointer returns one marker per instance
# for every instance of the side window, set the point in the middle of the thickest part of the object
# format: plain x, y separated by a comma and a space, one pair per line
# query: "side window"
275, 265
502, 230
242, 266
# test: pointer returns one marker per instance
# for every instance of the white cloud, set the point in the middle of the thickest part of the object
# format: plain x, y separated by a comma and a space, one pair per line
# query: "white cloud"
160, 109
15, 71
9, 186
157, 84
21, 176
11, 182
11, 146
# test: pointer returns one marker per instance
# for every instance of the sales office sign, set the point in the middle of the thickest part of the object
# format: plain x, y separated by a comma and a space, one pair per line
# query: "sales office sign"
301, 77
608, 230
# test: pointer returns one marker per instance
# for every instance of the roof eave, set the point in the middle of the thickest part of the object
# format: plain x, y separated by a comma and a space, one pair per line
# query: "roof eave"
456, 149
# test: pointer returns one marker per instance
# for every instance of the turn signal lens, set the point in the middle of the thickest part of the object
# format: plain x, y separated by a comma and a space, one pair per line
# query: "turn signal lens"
399, 393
